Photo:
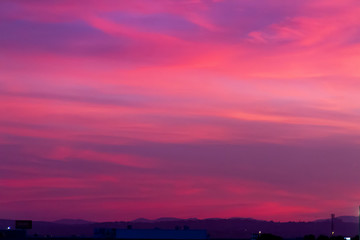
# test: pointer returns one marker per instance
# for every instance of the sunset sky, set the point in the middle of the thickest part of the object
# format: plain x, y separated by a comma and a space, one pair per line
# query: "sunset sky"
121, 109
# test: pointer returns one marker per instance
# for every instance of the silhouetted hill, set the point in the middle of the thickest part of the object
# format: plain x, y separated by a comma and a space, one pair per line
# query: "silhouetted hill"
72, 221
143, 220
217, 228
352, 219
168, 219
164, 219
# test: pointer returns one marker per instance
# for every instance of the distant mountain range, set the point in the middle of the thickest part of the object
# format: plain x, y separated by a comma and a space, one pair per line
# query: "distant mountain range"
170, 219
157, 220
352, 219
72, 221
346, 219
216, 227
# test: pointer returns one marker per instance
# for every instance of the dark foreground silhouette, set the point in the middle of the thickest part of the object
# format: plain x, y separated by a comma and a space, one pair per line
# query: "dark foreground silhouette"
235, 228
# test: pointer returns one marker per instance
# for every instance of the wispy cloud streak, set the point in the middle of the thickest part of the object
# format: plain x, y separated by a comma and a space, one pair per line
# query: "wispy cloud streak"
191, 108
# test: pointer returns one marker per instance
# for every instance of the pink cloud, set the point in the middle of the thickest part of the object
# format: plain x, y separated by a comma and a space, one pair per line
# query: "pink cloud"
174, 96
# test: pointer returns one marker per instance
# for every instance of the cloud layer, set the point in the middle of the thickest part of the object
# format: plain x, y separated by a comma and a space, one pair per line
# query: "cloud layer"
186, 108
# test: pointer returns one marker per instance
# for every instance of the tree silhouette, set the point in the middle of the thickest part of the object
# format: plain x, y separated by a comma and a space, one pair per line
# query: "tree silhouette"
309, 237
268, 236
323, 237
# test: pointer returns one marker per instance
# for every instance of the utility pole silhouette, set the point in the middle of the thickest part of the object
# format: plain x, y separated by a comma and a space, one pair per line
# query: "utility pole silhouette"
332, 224
359, 222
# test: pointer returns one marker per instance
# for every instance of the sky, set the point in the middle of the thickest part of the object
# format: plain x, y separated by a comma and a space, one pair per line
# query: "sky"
116, 110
